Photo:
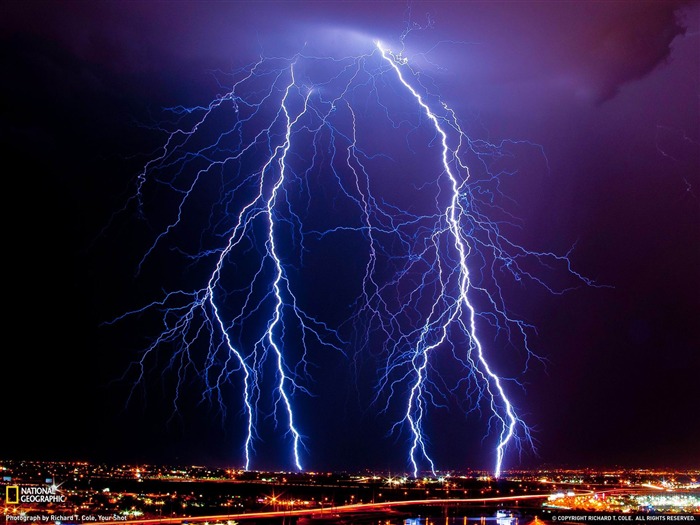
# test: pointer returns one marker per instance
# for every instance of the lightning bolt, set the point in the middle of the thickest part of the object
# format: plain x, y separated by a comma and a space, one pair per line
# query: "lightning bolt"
455, 210
287, 129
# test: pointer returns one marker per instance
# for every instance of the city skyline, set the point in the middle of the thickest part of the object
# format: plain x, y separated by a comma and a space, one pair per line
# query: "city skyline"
591, 129
78, 492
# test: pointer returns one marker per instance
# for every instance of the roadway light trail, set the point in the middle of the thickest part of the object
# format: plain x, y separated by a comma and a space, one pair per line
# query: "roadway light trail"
337, 510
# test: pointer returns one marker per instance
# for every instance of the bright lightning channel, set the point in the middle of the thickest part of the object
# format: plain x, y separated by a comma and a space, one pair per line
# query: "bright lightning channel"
414, 412
287, 127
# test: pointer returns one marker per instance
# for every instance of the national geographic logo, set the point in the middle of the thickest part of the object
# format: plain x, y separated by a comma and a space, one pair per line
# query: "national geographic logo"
14, 495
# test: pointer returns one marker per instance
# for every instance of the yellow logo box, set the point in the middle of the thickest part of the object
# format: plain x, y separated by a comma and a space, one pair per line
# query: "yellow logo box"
12, 494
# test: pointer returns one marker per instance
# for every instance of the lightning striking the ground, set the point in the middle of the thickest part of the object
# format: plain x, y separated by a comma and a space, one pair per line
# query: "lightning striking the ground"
313, 177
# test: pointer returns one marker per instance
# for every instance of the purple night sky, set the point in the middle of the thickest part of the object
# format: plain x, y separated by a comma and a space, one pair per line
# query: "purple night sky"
609, 90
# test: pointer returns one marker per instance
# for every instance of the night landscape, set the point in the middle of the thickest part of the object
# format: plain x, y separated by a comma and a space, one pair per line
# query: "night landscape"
352, 262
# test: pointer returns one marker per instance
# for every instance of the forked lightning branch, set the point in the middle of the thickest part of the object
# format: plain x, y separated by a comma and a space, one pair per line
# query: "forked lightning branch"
292, 134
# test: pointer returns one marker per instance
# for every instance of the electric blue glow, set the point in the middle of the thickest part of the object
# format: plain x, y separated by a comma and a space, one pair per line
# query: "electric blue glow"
433, 274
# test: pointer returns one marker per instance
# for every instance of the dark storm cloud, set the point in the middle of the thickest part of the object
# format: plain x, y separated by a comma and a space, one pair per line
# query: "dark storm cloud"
623, 43
585, 50
592, 48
